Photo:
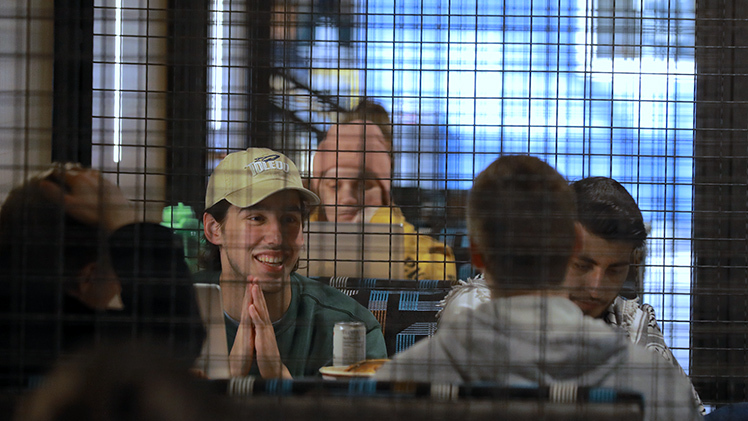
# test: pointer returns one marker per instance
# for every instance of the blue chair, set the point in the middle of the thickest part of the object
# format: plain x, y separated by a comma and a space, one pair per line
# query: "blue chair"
406, 309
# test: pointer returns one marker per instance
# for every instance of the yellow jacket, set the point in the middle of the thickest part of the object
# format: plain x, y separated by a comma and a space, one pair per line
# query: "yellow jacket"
425, 258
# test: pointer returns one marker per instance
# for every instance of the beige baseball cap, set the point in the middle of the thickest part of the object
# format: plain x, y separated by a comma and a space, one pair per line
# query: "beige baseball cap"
246, 178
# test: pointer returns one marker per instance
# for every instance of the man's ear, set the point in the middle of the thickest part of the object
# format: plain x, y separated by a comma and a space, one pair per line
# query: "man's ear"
476, 257
84, 281
212, 229
95, 286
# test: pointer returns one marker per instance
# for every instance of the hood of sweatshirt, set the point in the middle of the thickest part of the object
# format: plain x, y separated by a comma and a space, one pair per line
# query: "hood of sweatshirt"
530, 339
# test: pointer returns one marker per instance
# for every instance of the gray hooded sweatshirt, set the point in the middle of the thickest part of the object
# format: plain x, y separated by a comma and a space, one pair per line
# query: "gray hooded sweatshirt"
530, 340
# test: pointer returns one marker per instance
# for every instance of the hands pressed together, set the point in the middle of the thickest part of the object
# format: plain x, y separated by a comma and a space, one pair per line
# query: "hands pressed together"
255, 338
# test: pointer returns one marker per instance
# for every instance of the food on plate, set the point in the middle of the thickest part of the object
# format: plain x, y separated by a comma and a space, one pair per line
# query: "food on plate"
366, 366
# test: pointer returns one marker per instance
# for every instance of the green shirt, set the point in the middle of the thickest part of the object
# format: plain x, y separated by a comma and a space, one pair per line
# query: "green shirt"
304, 333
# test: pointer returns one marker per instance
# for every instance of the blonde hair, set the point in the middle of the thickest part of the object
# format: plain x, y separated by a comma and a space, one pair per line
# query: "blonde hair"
368, 110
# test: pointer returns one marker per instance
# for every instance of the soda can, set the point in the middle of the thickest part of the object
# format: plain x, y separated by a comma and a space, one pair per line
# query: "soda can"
348, 343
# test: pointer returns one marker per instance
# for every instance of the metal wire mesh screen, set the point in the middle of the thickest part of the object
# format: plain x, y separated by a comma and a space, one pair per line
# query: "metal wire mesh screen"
156, 93
595, 88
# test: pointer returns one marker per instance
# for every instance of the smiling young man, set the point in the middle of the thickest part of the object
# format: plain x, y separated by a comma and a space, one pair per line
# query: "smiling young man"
278, 323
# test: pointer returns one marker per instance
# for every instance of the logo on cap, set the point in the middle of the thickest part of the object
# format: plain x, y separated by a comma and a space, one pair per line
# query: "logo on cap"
265, 163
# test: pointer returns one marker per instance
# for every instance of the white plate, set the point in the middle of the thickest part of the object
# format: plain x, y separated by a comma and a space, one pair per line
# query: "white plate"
335, 373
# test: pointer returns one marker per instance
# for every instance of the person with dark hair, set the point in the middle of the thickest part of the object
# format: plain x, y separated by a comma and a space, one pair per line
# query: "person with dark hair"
81, 271
522, 224
613, 237
612, 230
613, 240
278, 323
352, 174
124, 382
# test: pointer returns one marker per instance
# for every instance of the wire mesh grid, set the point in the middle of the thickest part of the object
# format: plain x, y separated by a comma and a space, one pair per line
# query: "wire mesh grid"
155, 94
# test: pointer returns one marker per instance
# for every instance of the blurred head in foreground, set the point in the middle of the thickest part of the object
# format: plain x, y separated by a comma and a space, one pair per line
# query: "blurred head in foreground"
59, 246
132, 381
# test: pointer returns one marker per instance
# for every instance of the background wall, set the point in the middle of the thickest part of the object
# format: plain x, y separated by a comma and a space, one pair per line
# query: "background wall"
26, 31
